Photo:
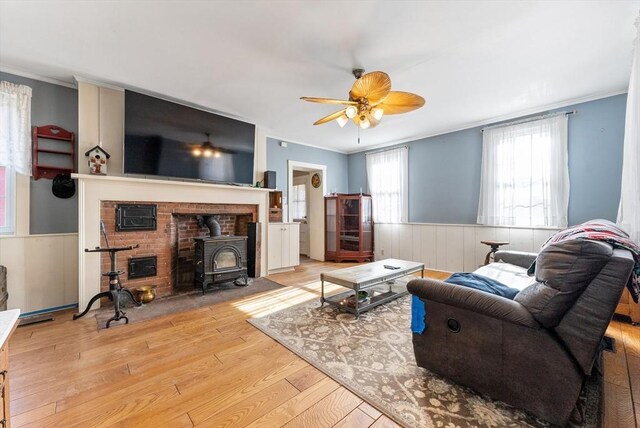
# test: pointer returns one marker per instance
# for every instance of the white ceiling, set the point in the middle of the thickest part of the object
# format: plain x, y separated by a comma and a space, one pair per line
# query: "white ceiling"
473, 61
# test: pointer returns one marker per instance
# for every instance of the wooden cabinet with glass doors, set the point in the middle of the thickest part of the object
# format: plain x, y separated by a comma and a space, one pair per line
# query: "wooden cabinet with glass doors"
348, 228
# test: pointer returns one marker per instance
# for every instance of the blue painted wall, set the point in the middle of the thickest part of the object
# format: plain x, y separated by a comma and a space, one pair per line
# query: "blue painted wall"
50, 105
277, 157
596, 141
444, 171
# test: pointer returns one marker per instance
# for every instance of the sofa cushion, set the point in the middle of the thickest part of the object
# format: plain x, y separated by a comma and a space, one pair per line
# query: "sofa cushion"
563, 270
506, 273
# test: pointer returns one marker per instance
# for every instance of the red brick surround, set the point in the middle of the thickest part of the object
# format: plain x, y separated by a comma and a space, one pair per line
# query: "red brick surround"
171, 242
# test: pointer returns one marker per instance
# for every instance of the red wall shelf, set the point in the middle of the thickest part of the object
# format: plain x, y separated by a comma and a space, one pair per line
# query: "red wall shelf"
52, 132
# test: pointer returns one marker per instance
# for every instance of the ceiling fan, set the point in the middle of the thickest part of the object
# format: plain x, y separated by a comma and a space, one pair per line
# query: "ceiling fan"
370, 98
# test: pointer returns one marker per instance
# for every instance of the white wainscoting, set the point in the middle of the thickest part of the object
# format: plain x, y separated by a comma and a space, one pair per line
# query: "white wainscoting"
42, 270
451, 247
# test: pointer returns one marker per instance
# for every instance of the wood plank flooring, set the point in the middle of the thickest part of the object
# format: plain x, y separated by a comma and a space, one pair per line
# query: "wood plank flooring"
622, 377
209, 367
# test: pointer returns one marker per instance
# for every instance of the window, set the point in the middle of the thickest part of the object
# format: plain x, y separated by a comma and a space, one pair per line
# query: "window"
388, 177
525, 176
15, 146
6, 200
299, 201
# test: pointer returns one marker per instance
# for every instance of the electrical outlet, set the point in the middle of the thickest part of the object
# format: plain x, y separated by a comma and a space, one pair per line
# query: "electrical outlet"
382, 252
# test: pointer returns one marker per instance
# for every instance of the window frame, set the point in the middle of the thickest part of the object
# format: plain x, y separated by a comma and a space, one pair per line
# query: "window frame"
10, 201
295, 202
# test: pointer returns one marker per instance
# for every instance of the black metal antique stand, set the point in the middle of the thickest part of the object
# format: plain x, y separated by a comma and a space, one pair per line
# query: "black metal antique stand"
116, 290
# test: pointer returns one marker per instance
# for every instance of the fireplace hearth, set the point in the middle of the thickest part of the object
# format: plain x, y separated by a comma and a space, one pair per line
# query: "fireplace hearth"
220, 259
173, 241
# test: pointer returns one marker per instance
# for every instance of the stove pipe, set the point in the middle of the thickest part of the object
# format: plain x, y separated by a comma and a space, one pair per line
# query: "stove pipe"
212, 223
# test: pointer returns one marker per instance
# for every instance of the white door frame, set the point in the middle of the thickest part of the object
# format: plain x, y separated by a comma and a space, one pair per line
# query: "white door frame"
315, 218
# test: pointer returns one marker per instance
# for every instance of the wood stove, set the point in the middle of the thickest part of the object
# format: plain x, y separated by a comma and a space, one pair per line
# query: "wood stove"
220, 259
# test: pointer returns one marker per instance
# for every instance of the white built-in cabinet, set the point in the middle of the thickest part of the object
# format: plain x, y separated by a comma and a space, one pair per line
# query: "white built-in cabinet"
284, 245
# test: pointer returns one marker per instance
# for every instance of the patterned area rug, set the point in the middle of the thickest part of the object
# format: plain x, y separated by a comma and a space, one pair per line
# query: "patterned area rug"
373, 357
184, 302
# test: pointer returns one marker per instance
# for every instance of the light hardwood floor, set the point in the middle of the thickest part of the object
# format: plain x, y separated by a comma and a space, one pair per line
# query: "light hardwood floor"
209, 367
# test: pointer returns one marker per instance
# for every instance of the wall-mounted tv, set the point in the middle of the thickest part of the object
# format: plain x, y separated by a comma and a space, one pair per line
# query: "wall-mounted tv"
166, 139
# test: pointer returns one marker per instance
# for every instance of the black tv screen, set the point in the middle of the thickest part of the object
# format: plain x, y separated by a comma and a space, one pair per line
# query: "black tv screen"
167, 139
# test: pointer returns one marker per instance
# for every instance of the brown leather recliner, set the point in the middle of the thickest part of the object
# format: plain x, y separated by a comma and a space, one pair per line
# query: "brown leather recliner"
535, 351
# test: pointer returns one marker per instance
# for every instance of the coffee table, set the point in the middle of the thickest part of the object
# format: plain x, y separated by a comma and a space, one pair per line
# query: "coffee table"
366, 277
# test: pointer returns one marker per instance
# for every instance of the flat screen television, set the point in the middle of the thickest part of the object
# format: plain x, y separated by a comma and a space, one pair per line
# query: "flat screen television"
166, 139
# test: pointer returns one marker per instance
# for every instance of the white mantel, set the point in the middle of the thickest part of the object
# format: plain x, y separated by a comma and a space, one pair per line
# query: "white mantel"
92, 189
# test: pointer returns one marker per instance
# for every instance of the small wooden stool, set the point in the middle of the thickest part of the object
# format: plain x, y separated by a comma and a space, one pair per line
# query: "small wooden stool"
495, 245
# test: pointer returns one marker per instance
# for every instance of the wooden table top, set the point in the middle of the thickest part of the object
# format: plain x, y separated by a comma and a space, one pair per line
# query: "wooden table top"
498, 243
371, 273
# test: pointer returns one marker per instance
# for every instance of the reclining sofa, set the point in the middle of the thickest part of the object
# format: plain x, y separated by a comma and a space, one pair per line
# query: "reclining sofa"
532, 352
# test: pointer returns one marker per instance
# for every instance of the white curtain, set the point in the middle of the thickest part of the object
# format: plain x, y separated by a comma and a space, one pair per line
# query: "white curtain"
388, 179
629, 210
525, 176
15, 127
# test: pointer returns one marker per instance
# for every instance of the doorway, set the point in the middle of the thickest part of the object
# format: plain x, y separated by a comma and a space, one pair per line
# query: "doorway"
306, 205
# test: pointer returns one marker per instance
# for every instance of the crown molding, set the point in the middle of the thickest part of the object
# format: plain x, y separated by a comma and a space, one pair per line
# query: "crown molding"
81, 79
497, 120
300, 143
34, 76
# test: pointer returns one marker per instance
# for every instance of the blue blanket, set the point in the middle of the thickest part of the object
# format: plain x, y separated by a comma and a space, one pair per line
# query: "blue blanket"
482, 283
471, 280
417, 315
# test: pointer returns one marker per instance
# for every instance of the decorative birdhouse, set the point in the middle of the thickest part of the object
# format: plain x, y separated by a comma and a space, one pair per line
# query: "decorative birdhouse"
97, 160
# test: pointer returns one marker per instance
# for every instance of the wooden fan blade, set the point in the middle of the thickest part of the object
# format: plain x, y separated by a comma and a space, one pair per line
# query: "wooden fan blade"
329, 101
329, 118
400, 102
374, 86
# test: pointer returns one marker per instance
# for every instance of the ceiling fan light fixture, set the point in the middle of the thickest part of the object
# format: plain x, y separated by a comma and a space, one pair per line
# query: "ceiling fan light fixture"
342, 120
197, 152
370, 98
207, 152
351, 112
364, 122
217, 154
377, 113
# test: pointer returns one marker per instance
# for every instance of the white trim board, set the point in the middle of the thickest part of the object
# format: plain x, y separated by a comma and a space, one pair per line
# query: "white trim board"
34, 76
315, 215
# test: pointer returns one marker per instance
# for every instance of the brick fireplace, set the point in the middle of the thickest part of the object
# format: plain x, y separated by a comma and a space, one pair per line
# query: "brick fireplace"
94, 189
173, 241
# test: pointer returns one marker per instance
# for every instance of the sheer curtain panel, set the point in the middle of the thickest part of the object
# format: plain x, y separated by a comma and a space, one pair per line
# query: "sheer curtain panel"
629, 210
388, 179
525, 176
15, 127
